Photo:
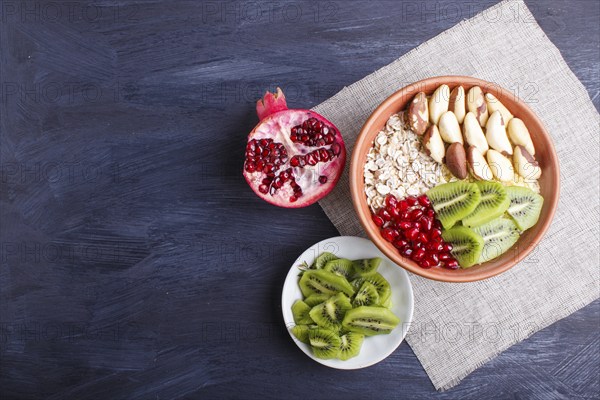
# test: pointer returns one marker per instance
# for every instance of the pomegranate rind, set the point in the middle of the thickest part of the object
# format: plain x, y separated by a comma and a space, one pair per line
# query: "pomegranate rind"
270, 104
277, 126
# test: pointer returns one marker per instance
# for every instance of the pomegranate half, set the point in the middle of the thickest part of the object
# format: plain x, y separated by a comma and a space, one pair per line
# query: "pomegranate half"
293, 157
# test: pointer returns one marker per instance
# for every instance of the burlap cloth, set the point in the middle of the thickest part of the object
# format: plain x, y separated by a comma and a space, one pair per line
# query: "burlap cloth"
459, 327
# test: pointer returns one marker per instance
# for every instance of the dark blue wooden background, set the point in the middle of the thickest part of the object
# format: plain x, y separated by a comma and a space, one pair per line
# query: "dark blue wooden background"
135, 261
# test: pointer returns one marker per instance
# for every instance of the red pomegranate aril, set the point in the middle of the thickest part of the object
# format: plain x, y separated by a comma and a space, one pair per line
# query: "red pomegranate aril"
426, 224
394, 212
405, 225
412, 201
412, 234
400, 243
423, 238
263, 189
389, 234
417, 225
336, 148
415, 214
378, 220
434, 258
402, 205
295, 161
311, 159
322, 179
250, 167
418, 254
430, 213
425, 263
384, 214
447, 247
435, 233
445, 257
453, 264
391, 201
323, 155
406, 251
293, 199
437, 224
424, 200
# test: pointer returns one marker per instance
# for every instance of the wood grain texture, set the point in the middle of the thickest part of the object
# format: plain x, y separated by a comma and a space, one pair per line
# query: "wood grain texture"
135, 263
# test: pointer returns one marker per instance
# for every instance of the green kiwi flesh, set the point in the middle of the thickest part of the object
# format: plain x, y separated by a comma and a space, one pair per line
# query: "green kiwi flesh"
454, 201
325, 344
467, 245
324, 282
341, 266
370, 321
494, 202
350, 345
498, 236
525, 206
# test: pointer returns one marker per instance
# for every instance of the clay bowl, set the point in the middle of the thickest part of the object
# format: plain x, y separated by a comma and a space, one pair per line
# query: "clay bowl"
545, 155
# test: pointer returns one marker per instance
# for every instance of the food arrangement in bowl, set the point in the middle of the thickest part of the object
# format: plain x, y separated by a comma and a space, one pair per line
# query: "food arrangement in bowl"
448, 178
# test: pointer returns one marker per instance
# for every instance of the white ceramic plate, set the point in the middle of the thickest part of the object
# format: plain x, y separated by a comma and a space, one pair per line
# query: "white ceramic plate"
374, 348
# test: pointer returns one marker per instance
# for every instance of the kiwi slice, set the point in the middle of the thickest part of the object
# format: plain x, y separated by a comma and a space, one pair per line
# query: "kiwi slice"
350, 345
341, 266
370, 320
387, 303
301, 333
315, 299
454, 201
330, 313
324, 343
498, 236
366, 296
381, 284
466, 245
324, 282
494, 201
322, 259
525, 206
300, 312
366, 267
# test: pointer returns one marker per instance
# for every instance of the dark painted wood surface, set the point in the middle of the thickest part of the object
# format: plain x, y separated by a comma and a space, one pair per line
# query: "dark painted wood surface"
135, 261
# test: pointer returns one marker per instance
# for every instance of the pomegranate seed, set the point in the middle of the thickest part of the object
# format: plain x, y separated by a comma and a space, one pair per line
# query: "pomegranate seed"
388, 234
250, 167
451, 264
424, 200
447, 247
383, 213
391, 201
418, 254
294, 162
406, 251
425, 263
402, 205
437, 224
435, 260
426, 223
446, 257
264, 189
417, 225
415, 214
311, 159
378, 220
412, 201
430, 213
435, 233
422, 238
323, 154
322, 179
412, 234
404, 225
329, 139
394, 212
293, 199
400, 243
336, 149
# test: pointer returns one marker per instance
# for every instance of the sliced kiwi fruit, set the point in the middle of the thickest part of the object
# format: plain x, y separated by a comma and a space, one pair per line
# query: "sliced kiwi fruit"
341, 266
330, 313
498, 236
322, 259
300, 312
301, 333
315, 299
366, 267
350, 345
381, 284
454, 201
387, 303
366, 296
370, 320
494, 202
525, 206
324, 343
324, 282
467, 245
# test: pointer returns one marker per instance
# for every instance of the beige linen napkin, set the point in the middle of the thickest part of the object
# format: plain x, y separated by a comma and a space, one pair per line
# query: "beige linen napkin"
459, 327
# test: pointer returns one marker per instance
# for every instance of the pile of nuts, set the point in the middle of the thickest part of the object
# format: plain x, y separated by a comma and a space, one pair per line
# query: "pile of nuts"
488, 154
